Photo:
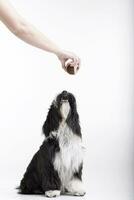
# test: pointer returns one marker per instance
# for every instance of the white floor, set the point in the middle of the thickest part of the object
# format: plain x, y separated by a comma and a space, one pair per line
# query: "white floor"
10, 193
102, 189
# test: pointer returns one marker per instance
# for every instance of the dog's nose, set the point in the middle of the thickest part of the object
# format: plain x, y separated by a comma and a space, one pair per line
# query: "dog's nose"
64, 94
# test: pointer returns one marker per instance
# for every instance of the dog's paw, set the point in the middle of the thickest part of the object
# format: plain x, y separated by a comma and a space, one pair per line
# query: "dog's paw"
52, 193
80, 193
75, 187
76, 193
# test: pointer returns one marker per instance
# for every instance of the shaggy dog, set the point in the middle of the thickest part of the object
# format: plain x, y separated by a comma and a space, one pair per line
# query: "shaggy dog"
57, 166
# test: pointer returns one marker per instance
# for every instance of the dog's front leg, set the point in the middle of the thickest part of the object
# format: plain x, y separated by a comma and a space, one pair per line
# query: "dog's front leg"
51, 182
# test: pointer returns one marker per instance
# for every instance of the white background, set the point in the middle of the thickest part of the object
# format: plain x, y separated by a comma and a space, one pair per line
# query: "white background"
101, 33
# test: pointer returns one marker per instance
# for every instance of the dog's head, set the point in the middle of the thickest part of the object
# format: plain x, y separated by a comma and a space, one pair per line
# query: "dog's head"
65, 104
63, 108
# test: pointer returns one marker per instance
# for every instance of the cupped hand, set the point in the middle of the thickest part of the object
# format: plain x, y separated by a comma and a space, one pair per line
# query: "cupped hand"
69, 59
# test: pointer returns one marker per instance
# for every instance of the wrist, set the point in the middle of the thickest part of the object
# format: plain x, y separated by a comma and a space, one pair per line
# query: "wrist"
58, 52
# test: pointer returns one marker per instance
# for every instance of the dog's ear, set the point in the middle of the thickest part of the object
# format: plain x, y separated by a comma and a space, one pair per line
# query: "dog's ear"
52, 121
73, 119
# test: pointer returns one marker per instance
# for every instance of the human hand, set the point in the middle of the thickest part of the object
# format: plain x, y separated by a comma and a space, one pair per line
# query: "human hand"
69, 59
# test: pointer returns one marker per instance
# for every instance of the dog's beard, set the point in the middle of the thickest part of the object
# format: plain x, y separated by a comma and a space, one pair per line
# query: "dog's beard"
65, 109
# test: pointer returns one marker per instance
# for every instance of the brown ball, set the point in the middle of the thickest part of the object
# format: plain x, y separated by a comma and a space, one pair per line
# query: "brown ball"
70, 70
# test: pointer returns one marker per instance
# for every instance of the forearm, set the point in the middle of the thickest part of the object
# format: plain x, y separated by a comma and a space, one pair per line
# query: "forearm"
24, 30
32, 36
28, 33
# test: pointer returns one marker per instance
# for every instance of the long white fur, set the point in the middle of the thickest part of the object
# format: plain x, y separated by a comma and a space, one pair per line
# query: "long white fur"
68, 160
75, 187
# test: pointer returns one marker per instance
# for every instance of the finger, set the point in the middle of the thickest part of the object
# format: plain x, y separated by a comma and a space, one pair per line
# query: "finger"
75, 69
73, 63
79, 61
69, 64
74, 60
78, 68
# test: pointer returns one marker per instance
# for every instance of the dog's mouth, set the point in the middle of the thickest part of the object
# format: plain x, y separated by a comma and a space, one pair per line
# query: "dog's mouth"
64, 100
64, 97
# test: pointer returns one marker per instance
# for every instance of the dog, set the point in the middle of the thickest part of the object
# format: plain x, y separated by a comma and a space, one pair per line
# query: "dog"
57, 166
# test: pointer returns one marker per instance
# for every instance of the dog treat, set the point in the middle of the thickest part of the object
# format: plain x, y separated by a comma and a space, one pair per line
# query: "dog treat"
70, 69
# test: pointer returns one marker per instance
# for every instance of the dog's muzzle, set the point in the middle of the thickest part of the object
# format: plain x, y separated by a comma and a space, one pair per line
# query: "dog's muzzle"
64, 96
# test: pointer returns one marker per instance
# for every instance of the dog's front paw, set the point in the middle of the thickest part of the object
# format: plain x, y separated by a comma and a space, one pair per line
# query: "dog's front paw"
52, 193
76, 193
80, 193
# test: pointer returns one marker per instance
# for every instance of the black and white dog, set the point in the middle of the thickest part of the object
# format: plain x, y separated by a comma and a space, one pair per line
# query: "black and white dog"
57, 167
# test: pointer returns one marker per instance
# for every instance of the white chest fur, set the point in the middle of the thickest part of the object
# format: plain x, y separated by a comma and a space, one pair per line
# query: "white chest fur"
68, 160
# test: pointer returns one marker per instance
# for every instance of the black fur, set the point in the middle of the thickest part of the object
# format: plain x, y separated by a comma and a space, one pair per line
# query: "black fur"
40, 175
54, 118
78, 174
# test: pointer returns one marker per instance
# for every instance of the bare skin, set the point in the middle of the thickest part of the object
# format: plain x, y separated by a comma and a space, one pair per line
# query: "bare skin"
29, 34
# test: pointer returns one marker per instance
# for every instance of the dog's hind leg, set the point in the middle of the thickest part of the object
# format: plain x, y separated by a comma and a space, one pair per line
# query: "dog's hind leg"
29, 186
51, 183
75, 187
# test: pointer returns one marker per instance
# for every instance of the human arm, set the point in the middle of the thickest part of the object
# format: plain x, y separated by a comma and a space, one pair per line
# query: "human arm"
28, 33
